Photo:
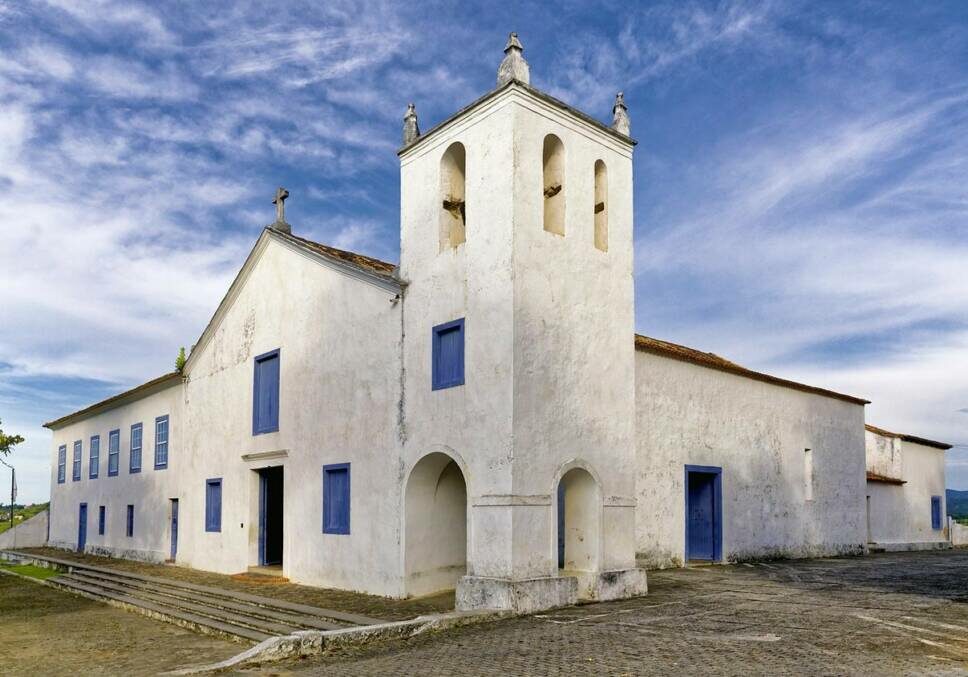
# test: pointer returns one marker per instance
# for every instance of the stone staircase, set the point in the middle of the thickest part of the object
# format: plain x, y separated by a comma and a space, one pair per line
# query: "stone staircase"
230, 614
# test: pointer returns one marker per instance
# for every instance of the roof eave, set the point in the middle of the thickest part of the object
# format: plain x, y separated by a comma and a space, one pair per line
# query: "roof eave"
143, 390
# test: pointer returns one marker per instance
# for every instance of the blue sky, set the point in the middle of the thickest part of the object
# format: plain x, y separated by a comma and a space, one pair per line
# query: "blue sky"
801, 193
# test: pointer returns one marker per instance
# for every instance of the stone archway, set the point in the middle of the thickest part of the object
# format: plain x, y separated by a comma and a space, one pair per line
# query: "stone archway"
579, 522
435, 518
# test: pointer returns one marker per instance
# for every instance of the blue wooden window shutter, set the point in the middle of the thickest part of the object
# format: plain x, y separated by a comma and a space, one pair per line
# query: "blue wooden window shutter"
101, 514
114, 452
935, 512
130, 524
265, 393
447, 355
213, 504
134, 457
76, 469
95, 461
161, 442
336, 498
61, 463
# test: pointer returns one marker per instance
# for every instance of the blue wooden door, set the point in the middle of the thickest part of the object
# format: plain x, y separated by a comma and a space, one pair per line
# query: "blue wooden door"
174, 528
702, 517
82, 528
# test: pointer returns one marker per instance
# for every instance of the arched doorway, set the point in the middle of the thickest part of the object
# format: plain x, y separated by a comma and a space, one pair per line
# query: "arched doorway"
579, 521
435, 517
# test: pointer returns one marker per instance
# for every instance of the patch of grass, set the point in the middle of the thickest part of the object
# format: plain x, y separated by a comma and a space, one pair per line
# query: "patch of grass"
31, 570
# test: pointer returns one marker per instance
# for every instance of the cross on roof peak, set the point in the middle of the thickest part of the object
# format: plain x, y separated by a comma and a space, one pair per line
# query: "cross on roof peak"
280, 202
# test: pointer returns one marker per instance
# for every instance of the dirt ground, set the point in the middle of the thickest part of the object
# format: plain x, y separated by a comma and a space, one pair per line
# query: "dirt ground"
341, 600
44, 631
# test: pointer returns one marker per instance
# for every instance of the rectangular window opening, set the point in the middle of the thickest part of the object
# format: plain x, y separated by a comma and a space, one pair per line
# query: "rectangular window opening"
95, 461
134, 457
114, 452
76, 469
808, 474
447, 353
161, 442
336, 498
213, 504
936, 516
265, 393
101, 515
61, 463
129, 530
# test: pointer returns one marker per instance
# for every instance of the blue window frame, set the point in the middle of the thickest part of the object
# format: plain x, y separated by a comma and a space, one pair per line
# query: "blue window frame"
101, 515
935, 512
114, 452
95, 460
265, 393
61, 463
76, 469
134, 457
129, 527
447, 354
213, 504
161, 442
336, 498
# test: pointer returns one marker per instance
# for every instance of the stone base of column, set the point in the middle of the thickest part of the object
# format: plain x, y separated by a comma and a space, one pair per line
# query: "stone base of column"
520, 596
618, 584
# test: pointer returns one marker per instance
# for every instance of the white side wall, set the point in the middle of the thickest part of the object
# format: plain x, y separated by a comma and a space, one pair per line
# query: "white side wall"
756, 432
148, 491
902, 513
29, 534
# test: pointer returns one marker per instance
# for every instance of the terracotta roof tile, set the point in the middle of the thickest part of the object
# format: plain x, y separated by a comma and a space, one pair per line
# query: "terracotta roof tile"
908, 438
359, 260
143, 389
713, 361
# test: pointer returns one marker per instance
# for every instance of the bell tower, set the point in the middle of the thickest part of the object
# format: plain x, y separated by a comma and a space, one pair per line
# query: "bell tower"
516, 228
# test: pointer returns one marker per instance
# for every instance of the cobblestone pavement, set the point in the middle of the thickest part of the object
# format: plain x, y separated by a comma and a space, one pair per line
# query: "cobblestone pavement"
903, 613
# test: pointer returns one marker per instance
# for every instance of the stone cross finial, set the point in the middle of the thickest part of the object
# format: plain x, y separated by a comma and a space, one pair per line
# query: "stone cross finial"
280, 202
411, 130
514, 67
620, 115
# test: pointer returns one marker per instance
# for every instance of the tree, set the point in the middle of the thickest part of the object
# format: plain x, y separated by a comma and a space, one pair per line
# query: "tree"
180, 360
8, 442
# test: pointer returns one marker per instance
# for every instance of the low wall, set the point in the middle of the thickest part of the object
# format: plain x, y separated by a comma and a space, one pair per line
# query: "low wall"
958, 533
29, 534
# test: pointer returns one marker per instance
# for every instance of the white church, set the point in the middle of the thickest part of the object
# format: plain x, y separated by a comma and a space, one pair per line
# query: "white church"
482, 416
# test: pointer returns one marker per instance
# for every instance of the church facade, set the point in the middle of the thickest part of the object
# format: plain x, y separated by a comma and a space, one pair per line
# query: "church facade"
481, 417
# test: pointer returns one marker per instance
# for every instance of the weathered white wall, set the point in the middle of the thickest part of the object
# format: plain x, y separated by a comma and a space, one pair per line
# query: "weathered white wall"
756, 432
958, 533
29, 534
549, 375
339, 387
148, 491
902, 513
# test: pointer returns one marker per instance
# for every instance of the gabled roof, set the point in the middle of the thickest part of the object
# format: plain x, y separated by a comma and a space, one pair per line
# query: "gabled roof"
145, 389
537, 93
362, 267
908, 438
713, 361
365, 263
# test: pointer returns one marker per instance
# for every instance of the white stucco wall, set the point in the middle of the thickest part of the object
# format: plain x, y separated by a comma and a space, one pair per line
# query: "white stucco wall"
29, 534
339, 387
902, 513
548, 325
757, 433
148, 491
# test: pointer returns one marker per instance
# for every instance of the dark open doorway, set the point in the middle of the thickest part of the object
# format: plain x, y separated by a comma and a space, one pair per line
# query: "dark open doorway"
270, 516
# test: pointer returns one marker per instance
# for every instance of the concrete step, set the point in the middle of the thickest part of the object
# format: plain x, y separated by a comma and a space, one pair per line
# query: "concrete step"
197, 608
136, 588
185, 619
277, 605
